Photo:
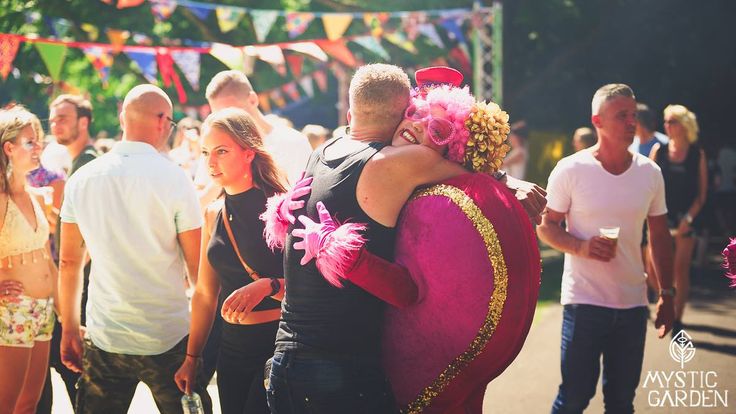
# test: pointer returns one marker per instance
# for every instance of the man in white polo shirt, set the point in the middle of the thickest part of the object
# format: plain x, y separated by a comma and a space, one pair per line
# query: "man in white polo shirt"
137, 214
603, 281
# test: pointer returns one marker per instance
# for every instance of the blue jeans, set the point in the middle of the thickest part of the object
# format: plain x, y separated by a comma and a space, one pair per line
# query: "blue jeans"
309, 383
587, 333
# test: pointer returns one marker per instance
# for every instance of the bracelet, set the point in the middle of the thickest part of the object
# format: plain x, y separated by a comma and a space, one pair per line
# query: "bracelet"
275, 286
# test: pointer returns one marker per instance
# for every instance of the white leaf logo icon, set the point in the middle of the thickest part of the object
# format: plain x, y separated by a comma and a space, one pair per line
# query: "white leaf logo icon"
682, 349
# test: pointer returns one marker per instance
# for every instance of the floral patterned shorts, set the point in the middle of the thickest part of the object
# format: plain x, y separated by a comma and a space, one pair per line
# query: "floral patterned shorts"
25, 320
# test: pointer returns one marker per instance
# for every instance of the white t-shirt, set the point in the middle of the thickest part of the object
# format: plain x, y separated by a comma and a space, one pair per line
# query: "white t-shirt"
290, 150
130, 204
592, 198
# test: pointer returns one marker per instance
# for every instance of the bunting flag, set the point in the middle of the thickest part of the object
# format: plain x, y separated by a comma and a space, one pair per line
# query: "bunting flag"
117, 38
336, 24
146, 62
295, 64
372, 44
8, 49
101, 59
188, 62
263, 20
274, 56
128, 3
201, 12
411, 21
53, 56
307, 85
428, 30
297, 23
321, 78
92, 31
264, 103
168, 73
375, 22
291, 91
453, 30
229, 17
232, 57
401, 41
278, 98
310, 49
339, 51
163, 9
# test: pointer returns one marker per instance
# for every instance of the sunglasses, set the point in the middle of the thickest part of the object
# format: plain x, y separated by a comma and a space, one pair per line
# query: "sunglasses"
440, 131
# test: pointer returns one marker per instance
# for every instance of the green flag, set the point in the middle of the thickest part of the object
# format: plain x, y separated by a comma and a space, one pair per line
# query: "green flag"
53, 56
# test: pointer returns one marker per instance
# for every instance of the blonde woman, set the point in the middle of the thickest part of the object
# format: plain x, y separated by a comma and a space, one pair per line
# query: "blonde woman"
237, 161
683, 166
27, 273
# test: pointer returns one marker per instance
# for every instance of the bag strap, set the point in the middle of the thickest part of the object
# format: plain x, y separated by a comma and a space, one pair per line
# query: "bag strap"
226, 220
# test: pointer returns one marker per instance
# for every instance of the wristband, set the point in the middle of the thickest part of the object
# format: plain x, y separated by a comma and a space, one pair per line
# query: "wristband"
275, 286
668, 292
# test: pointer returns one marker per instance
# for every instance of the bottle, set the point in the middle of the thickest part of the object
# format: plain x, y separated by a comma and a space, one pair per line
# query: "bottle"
192, 404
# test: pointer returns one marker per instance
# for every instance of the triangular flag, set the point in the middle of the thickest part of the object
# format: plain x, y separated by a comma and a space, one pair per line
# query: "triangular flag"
201, 12
428, 29
308, 48
401, 41
168, 74
375, 22
117, 38
295, 64
231, 56
92, 31
163, 9
307, 85
321, 78
101, 59
453, 30
146, 61
53, 56
339, 51
264, 103
263, 20
229, 17
372, 44
8, 49
336, 24
292, 91
278, 98
297, 23
274, 56
188, 62
128, 3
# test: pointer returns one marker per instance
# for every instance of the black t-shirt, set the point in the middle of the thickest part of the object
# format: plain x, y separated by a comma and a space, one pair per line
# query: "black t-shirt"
244, 208
681, 181
317, 316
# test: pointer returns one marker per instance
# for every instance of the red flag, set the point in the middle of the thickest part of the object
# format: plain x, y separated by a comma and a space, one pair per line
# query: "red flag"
295, 64
8, 49
168, 74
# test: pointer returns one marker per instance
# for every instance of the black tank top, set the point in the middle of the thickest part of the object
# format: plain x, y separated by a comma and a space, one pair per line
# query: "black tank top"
248, 232
680, 181
316, 316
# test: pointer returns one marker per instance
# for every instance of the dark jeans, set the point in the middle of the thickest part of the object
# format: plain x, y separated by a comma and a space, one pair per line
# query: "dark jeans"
310, 383
68, 376
589, 332
109, 380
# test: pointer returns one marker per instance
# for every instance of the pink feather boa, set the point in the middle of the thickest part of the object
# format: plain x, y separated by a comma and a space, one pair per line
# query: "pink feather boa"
276, 226
729, 261
339, 252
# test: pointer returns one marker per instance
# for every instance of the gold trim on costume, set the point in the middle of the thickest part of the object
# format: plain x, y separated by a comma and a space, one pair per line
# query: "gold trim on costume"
498, 296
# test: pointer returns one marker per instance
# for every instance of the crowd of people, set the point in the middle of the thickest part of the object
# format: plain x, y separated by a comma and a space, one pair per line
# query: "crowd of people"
221, 245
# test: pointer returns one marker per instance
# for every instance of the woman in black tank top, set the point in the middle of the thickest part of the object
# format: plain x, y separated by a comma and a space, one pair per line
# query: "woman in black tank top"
238, 274
685, 175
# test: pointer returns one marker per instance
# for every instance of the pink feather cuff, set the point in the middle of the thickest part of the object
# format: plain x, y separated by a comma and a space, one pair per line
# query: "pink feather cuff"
340, 251
275, 227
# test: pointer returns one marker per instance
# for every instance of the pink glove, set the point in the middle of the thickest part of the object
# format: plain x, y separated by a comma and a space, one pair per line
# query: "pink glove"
277, 216
335, 248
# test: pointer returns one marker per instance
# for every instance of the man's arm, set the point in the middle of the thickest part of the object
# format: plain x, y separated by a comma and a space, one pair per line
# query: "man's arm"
71, 264
190, 242
660, 242
552, 233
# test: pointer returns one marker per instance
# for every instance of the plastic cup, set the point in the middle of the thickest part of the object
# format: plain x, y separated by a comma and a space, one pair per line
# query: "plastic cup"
609, 232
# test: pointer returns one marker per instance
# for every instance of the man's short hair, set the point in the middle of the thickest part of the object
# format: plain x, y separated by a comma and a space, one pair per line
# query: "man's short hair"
80, 103
228, 83
379, 93
607, 92
645, 117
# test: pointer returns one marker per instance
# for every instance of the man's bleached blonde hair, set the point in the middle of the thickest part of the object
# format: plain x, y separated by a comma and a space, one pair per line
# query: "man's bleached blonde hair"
228, 83
379, 94
607, 92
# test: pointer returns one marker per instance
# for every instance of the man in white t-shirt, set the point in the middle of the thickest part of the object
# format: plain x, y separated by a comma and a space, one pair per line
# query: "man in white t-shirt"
137, 214
603, 281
